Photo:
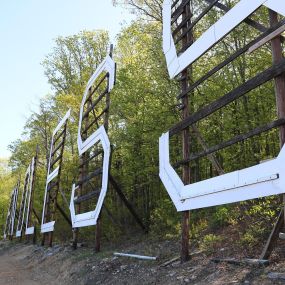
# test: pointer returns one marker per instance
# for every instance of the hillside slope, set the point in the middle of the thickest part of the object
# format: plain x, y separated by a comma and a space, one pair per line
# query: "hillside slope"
23, 263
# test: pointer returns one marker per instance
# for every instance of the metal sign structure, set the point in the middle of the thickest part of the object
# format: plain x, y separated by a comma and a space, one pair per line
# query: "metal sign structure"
23, 208
87, 139
12, 213
26, 205
53, 178
261, 180
243, 9
30, 226
254, 182
6, 231
90, 218
88, 193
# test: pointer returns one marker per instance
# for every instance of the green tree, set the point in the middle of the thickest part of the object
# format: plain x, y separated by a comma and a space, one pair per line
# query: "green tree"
151, 9
74, 59
7, 182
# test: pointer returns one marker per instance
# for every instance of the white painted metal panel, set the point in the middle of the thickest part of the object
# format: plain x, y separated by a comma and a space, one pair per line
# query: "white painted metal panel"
22, 211
9, 225
49, 227
90, 218
167, 39
258, 181
14, 209
52, 175
197, 49
62, 122
8, 218
109, 66
30, 230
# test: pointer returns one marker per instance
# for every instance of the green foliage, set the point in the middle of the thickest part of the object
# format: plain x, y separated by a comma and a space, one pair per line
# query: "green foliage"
198, 229
164, 221
257, 220
209, 242
221, 216
74, 59
149, 9
7, 182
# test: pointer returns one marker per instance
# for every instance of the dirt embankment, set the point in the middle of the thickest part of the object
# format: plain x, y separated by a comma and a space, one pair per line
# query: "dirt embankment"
22, 263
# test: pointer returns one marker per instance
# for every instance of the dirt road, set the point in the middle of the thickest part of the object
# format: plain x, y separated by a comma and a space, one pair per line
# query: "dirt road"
13, 271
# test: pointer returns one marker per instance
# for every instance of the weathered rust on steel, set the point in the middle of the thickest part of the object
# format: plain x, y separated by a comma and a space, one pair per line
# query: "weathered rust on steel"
234, 140
279, 81
183, 33
98, 230
186, 38
263, 77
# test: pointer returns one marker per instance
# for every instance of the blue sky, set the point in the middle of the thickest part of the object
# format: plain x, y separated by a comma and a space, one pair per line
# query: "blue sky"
27, 31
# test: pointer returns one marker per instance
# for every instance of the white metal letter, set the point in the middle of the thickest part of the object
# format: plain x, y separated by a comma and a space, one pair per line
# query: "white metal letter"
90, 218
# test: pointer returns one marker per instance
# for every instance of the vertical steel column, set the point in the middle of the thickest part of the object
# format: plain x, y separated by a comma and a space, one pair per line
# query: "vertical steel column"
279, 82
31, 205
185, 76
106, 125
